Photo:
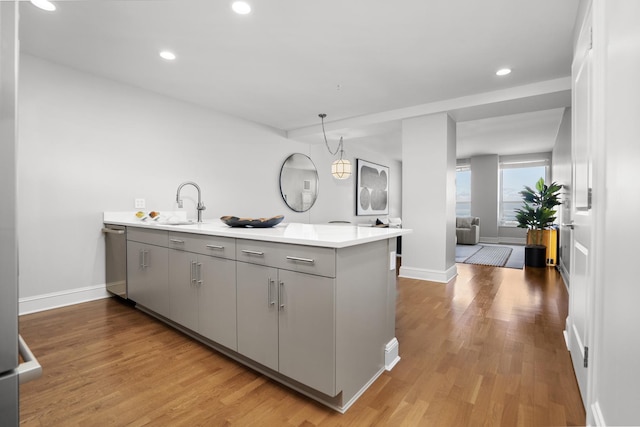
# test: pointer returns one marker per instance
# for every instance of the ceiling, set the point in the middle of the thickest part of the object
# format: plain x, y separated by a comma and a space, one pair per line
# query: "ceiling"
365, 63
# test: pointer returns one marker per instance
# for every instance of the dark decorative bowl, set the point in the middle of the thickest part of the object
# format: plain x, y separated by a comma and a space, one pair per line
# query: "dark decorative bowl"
234, 221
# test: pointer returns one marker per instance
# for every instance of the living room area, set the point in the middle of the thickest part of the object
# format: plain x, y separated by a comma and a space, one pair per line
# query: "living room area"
490, 178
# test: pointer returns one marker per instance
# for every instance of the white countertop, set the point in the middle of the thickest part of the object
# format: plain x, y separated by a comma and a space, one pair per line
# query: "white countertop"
324, 235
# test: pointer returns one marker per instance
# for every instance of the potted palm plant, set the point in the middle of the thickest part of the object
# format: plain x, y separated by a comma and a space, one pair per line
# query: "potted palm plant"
537, 214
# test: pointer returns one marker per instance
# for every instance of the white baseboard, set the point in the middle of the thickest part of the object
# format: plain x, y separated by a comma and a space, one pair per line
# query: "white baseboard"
564, 274
61, 299
391, 354
596, 413
513, 240
342, 409
489, 240
429, 275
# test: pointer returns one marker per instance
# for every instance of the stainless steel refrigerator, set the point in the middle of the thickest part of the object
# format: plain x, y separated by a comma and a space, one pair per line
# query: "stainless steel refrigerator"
12, 373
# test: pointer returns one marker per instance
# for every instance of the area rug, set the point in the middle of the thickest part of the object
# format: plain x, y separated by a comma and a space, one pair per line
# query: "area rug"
496, 256
465, 251
509, 256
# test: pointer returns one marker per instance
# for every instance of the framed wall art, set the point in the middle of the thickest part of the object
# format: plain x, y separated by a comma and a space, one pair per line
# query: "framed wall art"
372, 188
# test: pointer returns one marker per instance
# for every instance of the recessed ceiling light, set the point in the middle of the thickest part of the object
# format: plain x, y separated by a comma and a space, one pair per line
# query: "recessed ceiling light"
241, 7
503, 71
169, 56
44, 5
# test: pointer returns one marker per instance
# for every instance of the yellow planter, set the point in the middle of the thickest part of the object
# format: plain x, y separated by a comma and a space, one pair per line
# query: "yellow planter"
549, 239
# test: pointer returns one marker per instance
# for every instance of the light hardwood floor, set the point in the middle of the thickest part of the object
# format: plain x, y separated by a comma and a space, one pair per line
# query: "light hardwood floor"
485, 350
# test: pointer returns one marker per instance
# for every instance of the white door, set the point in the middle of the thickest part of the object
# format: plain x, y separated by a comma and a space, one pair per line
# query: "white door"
581, 283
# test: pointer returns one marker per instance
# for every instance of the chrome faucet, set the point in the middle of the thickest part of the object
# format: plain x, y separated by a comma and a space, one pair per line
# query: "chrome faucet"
201, 205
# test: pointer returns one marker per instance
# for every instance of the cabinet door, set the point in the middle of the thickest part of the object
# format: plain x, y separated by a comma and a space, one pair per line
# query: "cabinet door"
135, 277
258, 313
307, 330
147, 276
183, 288
217, 300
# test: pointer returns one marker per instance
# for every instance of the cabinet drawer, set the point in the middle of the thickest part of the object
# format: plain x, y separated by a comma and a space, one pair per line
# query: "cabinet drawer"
221, 247
305, 259
151, 237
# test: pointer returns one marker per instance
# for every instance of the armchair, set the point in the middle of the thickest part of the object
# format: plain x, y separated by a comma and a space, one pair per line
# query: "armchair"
468, 230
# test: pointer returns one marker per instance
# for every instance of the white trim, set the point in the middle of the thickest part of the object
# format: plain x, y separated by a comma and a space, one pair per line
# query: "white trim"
391, 354
525, 160
564, 274
342, 409
429, 275
463, 164
493, 240
598, 418
512, 240
61, 299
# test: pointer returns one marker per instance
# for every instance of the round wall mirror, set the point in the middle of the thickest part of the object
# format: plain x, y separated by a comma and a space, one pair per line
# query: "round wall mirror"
299, 182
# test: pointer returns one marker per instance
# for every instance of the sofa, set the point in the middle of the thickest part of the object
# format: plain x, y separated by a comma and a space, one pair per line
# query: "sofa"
467, 230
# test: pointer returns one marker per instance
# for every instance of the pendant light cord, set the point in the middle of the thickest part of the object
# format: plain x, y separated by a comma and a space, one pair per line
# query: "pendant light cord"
339, 148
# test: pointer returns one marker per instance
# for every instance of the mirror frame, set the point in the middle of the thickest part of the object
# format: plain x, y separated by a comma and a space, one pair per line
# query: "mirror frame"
313, 188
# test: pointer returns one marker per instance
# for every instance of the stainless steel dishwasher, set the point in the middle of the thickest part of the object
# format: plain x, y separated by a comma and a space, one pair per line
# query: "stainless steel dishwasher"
115, 240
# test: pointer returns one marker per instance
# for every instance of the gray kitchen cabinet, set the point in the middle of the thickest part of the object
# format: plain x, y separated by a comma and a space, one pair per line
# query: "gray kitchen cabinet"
286, 319
306, 328
202, 288
217, 300
147, 272
258, 313
319, 319
183, 288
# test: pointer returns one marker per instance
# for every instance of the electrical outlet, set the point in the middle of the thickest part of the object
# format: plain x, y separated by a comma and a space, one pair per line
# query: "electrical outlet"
139, 204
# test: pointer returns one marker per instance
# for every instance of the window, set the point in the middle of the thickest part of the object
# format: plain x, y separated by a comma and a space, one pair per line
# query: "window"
514, 175
463, 191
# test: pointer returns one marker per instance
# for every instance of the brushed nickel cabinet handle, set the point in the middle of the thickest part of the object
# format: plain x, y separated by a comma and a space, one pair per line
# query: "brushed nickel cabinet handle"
143, 262
112, 231
280, 298
270, 283
215, 247
176, 241
295, 258
193, 265
248, 252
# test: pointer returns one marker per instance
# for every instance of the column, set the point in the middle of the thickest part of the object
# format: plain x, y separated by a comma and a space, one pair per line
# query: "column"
429, 197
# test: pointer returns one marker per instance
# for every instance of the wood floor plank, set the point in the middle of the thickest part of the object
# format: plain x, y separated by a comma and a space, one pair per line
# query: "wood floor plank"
485, 349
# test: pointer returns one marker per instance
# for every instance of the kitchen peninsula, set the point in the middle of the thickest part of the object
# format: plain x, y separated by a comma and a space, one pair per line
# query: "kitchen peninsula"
309, 305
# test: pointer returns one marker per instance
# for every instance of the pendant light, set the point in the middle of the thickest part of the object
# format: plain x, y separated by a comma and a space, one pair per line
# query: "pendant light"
341, 168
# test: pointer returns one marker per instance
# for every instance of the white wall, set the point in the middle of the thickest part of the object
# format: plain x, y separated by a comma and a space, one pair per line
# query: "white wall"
515, 235
484, 195
338, 197
561, 173
88, 145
